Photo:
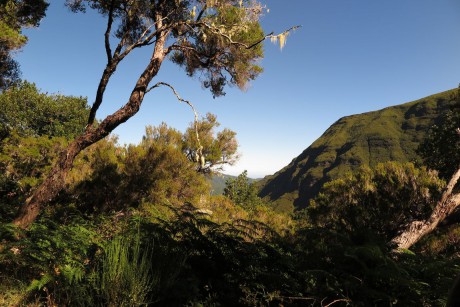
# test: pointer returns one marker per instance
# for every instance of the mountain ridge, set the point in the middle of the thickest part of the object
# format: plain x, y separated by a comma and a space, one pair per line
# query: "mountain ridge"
389, 134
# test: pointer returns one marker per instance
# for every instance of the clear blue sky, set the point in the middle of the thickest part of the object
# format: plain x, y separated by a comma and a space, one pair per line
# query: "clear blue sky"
350, 56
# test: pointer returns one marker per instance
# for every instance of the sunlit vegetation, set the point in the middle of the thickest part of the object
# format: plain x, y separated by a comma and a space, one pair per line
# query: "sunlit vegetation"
137, 225
382, 199
391, 134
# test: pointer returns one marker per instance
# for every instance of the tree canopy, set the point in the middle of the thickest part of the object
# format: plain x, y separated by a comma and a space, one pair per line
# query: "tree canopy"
441, 149
242, 192
219, 40
211, 150
14, 16
216, 39
30, 112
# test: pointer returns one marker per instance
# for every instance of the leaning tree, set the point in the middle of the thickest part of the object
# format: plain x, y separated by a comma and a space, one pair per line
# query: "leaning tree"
221, 40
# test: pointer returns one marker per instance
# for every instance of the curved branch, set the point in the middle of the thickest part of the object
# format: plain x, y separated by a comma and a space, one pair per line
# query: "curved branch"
216, 31
200, 147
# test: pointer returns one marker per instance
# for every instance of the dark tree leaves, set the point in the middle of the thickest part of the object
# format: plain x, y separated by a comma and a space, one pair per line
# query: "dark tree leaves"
441, 148
15, 15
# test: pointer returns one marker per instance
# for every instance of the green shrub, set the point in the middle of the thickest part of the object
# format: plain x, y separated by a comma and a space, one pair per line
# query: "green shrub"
126, 276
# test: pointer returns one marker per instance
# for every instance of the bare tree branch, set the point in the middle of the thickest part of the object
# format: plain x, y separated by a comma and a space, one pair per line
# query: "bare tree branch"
200, 147
282, 36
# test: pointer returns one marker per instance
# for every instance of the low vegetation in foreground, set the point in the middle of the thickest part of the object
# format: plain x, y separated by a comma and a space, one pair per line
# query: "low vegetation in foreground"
137, 225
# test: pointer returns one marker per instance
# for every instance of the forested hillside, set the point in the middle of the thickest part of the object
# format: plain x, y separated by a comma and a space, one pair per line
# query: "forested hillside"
391, 134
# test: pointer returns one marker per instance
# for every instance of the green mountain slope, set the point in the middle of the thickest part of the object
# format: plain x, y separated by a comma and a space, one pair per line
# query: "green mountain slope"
218, 182
393, 133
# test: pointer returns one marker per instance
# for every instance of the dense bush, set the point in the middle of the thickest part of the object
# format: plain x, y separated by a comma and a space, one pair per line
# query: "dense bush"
381, 200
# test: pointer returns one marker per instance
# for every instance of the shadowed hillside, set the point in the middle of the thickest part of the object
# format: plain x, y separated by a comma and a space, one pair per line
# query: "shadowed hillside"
390, 134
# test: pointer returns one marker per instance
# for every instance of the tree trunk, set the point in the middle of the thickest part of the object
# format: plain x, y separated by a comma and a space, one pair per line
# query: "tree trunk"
444, 207
55, 182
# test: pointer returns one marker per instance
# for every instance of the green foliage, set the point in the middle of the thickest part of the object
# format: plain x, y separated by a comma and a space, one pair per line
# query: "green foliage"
443, 241
38, 285
9, 69
62, 245
440, 150
15, 15
229, 264
163, 135
31, 113
126, 277
362, 270
219, 60
114, 178
218, 149
54, 259
109, 241
188, 259
97, 179
210, 38
161, 174
34, 129
242, 192
11, 291
383, 199
26, 160
390, 134
225, 263
208, 149
24, 163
